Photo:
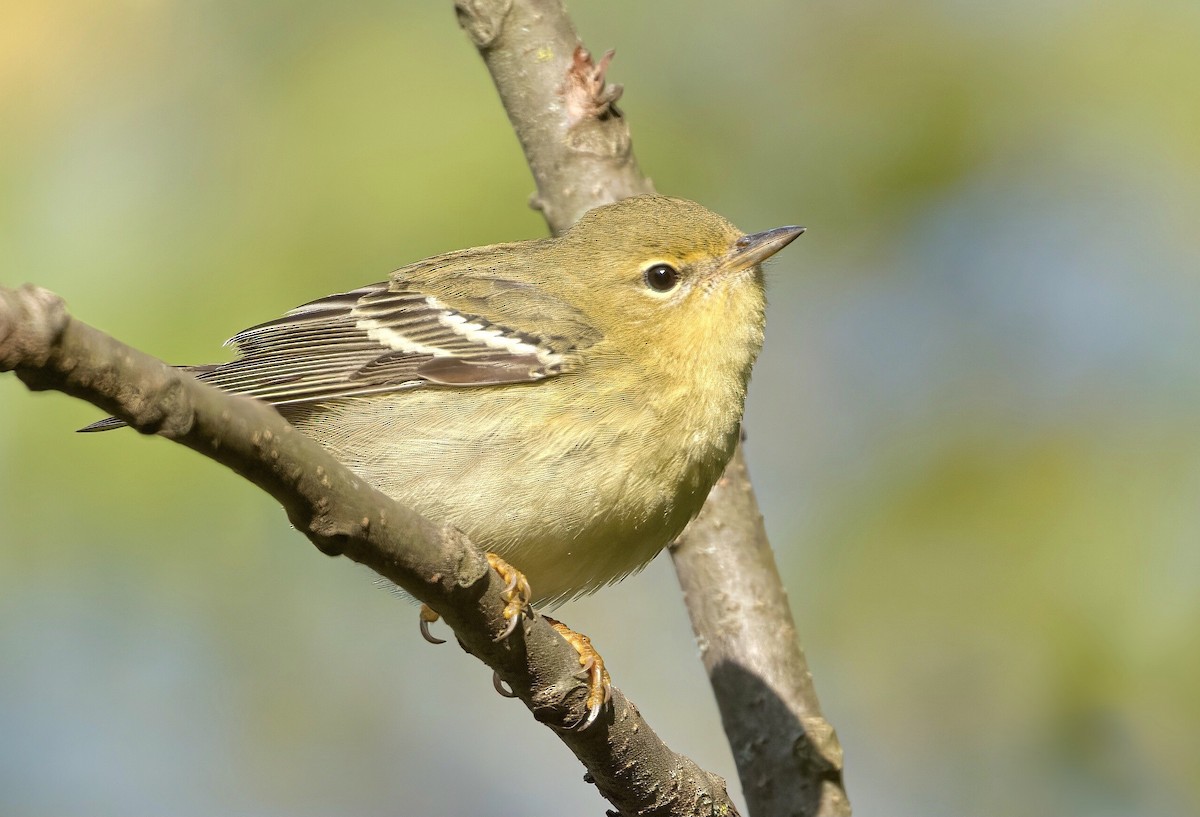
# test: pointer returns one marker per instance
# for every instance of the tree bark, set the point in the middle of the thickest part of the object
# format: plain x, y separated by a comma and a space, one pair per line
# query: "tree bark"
787, 754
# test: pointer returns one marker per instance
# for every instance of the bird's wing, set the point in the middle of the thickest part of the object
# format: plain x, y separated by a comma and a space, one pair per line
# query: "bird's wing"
439, 322
392, 336
453, 320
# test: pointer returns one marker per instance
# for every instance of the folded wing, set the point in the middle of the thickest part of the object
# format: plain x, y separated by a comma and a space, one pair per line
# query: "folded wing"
390, 336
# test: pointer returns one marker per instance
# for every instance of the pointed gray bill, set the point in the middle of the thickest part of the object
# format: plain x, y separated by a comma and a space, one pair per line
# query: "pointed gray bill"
758, 247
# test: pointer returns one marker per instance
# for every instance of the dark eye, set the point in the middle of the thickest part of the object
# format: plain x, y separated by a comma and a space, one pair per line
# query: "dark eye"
661, 277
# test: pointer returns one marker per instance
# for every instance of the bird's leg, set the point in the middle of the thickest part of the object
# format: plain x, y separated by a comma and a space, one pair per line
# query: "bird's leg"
599, 682
516, 594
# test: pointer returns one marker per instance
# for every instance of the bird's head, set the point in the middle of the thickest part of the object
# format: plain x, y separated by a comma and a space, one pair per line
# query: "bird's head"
673, 279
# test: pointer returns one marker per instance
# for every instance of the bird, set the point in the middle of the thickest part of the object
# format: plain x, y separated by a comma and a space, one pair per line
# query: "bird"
566, 402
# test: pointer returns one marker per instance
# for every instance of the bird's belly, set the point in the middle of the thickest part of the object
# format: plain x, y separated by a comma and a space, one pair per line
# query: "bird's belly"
571, 506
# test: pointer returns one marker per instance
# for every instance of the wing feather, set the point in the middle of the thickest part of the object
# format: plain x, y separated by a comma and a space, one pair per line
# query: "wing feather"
380, 338
411, 331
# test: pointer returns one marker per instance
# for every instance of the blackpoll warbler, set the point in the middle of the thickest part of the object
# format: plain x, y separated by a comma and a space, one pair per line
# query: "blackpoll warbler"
566, 402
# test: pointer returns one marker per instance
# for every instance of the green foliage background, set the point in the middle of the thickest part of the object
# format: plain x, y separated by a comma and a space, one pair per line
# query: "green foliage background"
973, 429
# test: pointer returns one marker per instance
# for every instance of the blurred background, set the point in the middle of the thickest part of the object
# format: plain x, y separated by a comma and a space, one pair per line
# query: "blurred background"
973, 429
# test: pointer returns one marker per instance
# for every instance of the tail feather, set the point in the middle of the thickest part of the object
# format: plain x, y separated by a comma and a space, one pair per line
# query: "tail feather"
107, 424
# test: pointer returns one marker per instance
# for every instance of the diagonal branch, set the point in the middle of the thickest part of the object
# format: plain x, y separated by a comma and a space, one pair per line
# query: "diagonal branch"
580, 151
787, 754
562, 110
342, 515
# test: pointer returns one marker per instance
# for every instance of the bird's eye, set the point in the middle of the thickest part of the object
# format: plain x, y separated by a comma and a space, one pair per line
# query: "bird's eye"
661, 277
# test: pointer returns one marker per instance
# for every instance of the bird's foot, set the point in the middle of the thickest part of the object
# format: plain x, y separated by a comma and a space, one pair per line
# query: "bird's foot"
599, 683
516, 594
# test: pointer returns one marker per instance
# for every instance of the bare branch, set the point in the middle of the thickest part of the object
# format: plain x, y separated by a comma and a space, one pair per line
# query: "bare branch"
560, 105
580, 151
342, 515
788, 754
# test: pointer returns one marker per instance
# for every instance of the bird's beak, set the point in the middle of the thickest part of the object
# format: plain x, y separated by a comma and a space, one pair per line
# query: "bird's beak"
758, 247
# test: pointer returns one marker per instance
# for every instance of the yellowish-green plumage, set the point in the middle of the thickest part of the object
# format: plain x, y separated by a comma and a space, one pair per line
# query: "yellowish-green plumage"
566, 402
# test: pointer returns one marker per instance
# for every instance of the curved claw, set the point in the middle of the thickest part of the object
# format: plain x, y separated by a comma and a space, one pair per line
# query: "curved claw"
513, 621
588, 662
593, 713
503, 689
599, 686
599, 683
428, 616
